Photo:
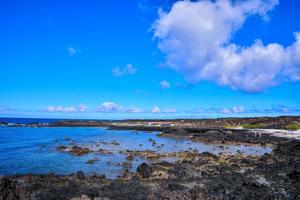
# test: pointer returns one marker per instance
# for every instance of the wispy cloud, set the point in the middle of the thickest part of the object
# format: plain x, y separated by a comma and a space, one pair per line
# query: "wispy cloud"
126, 70
6, 109
67, 109
111, 107
233, 110
164, 85
72, 51
157, 109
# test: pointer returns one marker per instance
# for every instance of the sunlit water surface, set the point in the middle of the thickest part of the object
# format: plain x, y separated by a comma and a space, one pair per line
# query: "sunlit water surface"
33, 150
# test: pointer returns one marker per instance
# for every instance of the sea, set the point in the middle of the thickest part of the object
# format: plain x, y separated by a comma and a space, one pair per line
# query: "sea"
33, 150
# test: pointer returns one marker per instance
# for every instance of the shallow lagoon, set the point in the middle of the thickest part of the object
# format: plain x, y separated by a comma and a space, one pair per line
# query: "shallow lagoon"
33, 150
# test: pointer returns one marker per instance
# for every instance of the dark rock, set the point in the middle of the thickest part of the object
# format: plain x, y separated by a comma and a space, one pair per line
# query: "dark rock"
79, 151
179, 172
61, 148
80, 175
130, 157
144, 170
120, 190
8, 189
176, 186
209, 155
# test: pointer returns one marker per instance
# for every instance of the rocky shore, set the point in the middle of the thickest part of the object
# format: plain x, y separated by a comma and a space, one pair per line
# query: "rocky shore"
192, 176
282, 122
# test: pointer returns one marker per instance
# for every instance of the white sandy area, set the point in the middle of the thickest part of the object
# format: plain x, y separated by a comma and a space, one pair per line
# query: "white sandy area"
278, 133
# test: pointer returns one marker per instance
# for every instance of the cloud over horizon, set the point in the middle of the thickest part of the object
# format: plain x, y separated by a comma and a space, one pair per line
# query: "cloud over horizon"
196, 38
110, 107
67, 109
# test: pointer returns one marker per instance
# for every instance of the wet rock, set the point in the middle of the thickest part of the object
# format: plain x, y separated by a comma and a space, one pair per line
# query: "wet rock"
144, 170
127, 164
126, 174
92, 161
115, 143
61, 148
79, 151
80, 175
104, 151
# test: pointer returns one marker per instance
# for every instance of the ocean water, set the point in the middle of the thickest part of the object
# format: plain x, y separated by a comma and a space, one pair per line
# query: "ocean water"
33, 150
27, 120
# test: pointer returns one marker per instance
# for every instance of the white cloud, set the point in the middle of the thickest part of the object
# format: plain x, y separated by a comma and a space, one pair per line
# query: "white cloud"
82, 107
120, 71
110, 107
72, 51
134, 110
155, 109
164, 85
233, 110
238, 109
196, 38
68, 109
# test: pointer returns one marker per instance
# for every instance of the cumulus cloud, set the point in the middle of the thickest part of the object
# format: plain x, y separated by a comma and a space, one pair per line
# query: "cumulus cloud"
233, 110
72, 51
82, 108
68, 109
164, 85
155, 109
109, 107
120, 71
197, 40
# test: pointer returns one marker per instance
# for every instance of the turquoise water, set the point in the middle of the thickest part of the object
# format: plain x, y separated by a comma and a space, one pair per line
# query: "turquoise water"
33, 150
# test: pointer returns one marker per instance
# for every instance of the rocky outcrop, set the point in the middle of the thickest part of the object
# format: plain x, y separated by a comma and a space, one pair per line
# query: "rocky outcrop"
144, 170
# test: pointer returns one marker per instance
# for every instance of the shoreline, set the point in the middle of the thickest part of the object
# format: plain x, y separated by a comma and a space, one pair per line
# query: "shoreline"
194, 175
199, 175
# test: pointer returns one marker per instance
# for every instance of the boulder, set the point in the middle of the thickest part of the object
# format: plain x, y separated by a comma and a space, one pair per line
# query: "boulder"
144, 170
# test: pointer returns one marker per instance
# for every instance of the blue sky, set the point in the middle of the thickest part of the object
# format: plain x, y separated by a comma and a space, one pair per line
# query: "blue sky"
144, 59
